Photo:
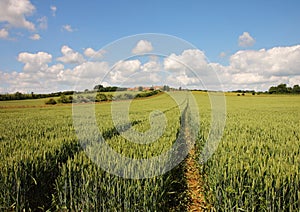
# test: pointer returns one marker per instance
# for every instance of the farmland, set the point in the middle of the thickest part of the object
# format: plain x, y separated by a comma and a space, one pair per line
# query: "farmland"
255, 168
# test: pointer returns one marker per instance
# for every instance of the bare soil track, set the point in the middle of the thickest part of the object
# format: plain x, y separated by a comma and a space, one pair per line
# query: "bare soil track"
194, 182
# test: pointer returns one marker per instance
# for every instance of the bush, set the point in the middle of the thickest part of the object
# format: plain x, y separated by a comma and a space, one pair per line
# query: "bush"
64, 99
50, 102
101, 97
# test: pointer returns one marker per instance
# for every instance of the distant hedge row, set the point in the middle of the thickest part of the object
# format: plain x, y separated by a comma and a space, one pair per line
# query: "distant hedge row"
101, 97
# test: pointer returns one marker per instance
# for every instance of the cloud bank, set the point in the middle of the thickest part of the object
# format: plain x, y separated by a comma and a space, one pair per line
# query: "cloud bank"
247, 69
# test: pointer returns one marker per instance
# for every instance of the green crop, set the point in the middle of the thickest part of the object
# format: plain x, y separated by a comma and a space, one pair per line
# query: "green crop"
255, 167
257, 164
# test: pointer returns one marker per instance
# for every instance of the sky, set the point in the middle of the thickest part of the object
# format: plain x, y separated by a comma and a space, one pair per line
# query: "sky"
51, 45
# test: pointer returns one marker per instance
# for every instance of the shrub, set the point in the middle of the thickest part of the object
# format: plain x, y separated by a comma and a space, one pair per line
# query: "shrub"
50, 102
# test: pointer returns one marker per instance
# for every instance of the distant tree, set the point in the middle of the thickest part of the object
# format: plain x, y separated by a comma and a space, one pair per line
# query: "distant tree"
296, 89
18, 95
273, 89
280, 89
64, 99
101, 97
140, 88
98, 87
166, 88
50, 102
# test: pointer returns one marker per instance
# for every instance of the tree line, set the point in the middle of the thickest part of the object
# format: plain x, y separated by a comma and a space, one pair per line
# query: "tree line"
279, 89
22, 96
283, 89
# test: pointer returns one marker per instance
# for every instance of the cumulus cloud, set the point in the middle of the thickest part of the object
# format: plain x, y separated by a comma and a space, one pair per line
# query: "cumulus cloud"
70, 56
190, 68
91, 53
67, 28
14, 13
151, 66
262, 68
246, 40
143, 46
4, 33
91, 69
35, 62
53, 10
278, 61
247, 69
43, 22
189, 59
35, 37
123, 70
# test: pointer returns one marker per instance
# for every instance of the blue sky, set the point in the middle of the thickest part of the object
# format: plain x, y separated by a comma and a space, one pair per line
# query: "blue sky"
214, 27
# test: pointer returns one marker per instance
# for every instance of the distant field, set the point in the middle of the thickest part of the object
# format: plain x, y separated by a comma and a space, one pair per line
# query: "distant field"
23, 103
255, 168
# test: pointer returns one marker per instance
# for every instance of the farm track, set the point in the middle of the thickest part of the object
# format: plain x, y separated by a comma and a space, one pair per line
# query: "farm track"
194, 181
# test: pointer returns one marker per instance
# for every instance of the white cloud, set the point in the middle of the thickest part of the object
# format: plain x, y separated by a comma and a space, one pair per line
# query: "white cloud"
143, 46
246, 40
43, 22
247, 69
53, 10
85, 75
4, 33
189, 59
294, 80
68, 28
14, 13
35, 62
91, 53
91, 69
151, 66
70, 56
190, 68
262, 68
278, 61
123, 70
35, 37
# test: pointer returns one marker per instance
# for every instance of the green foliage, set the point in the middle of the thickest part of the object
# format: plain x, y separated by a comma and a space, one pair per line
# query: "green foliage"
166, 88
283, 89
101, 97
50, 101
65, 99
101, 88
21, 96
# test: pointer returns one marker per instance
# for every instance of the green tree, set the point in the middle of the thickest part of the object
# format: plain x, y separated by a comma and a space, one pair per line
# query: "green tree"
64, 99
50, 102
296, 89
166, 88
101, 97
98, 87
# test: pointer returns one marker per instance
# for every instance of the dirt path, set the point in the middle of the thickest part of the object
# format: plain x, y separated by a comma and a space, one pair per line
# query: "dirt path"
194, 183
